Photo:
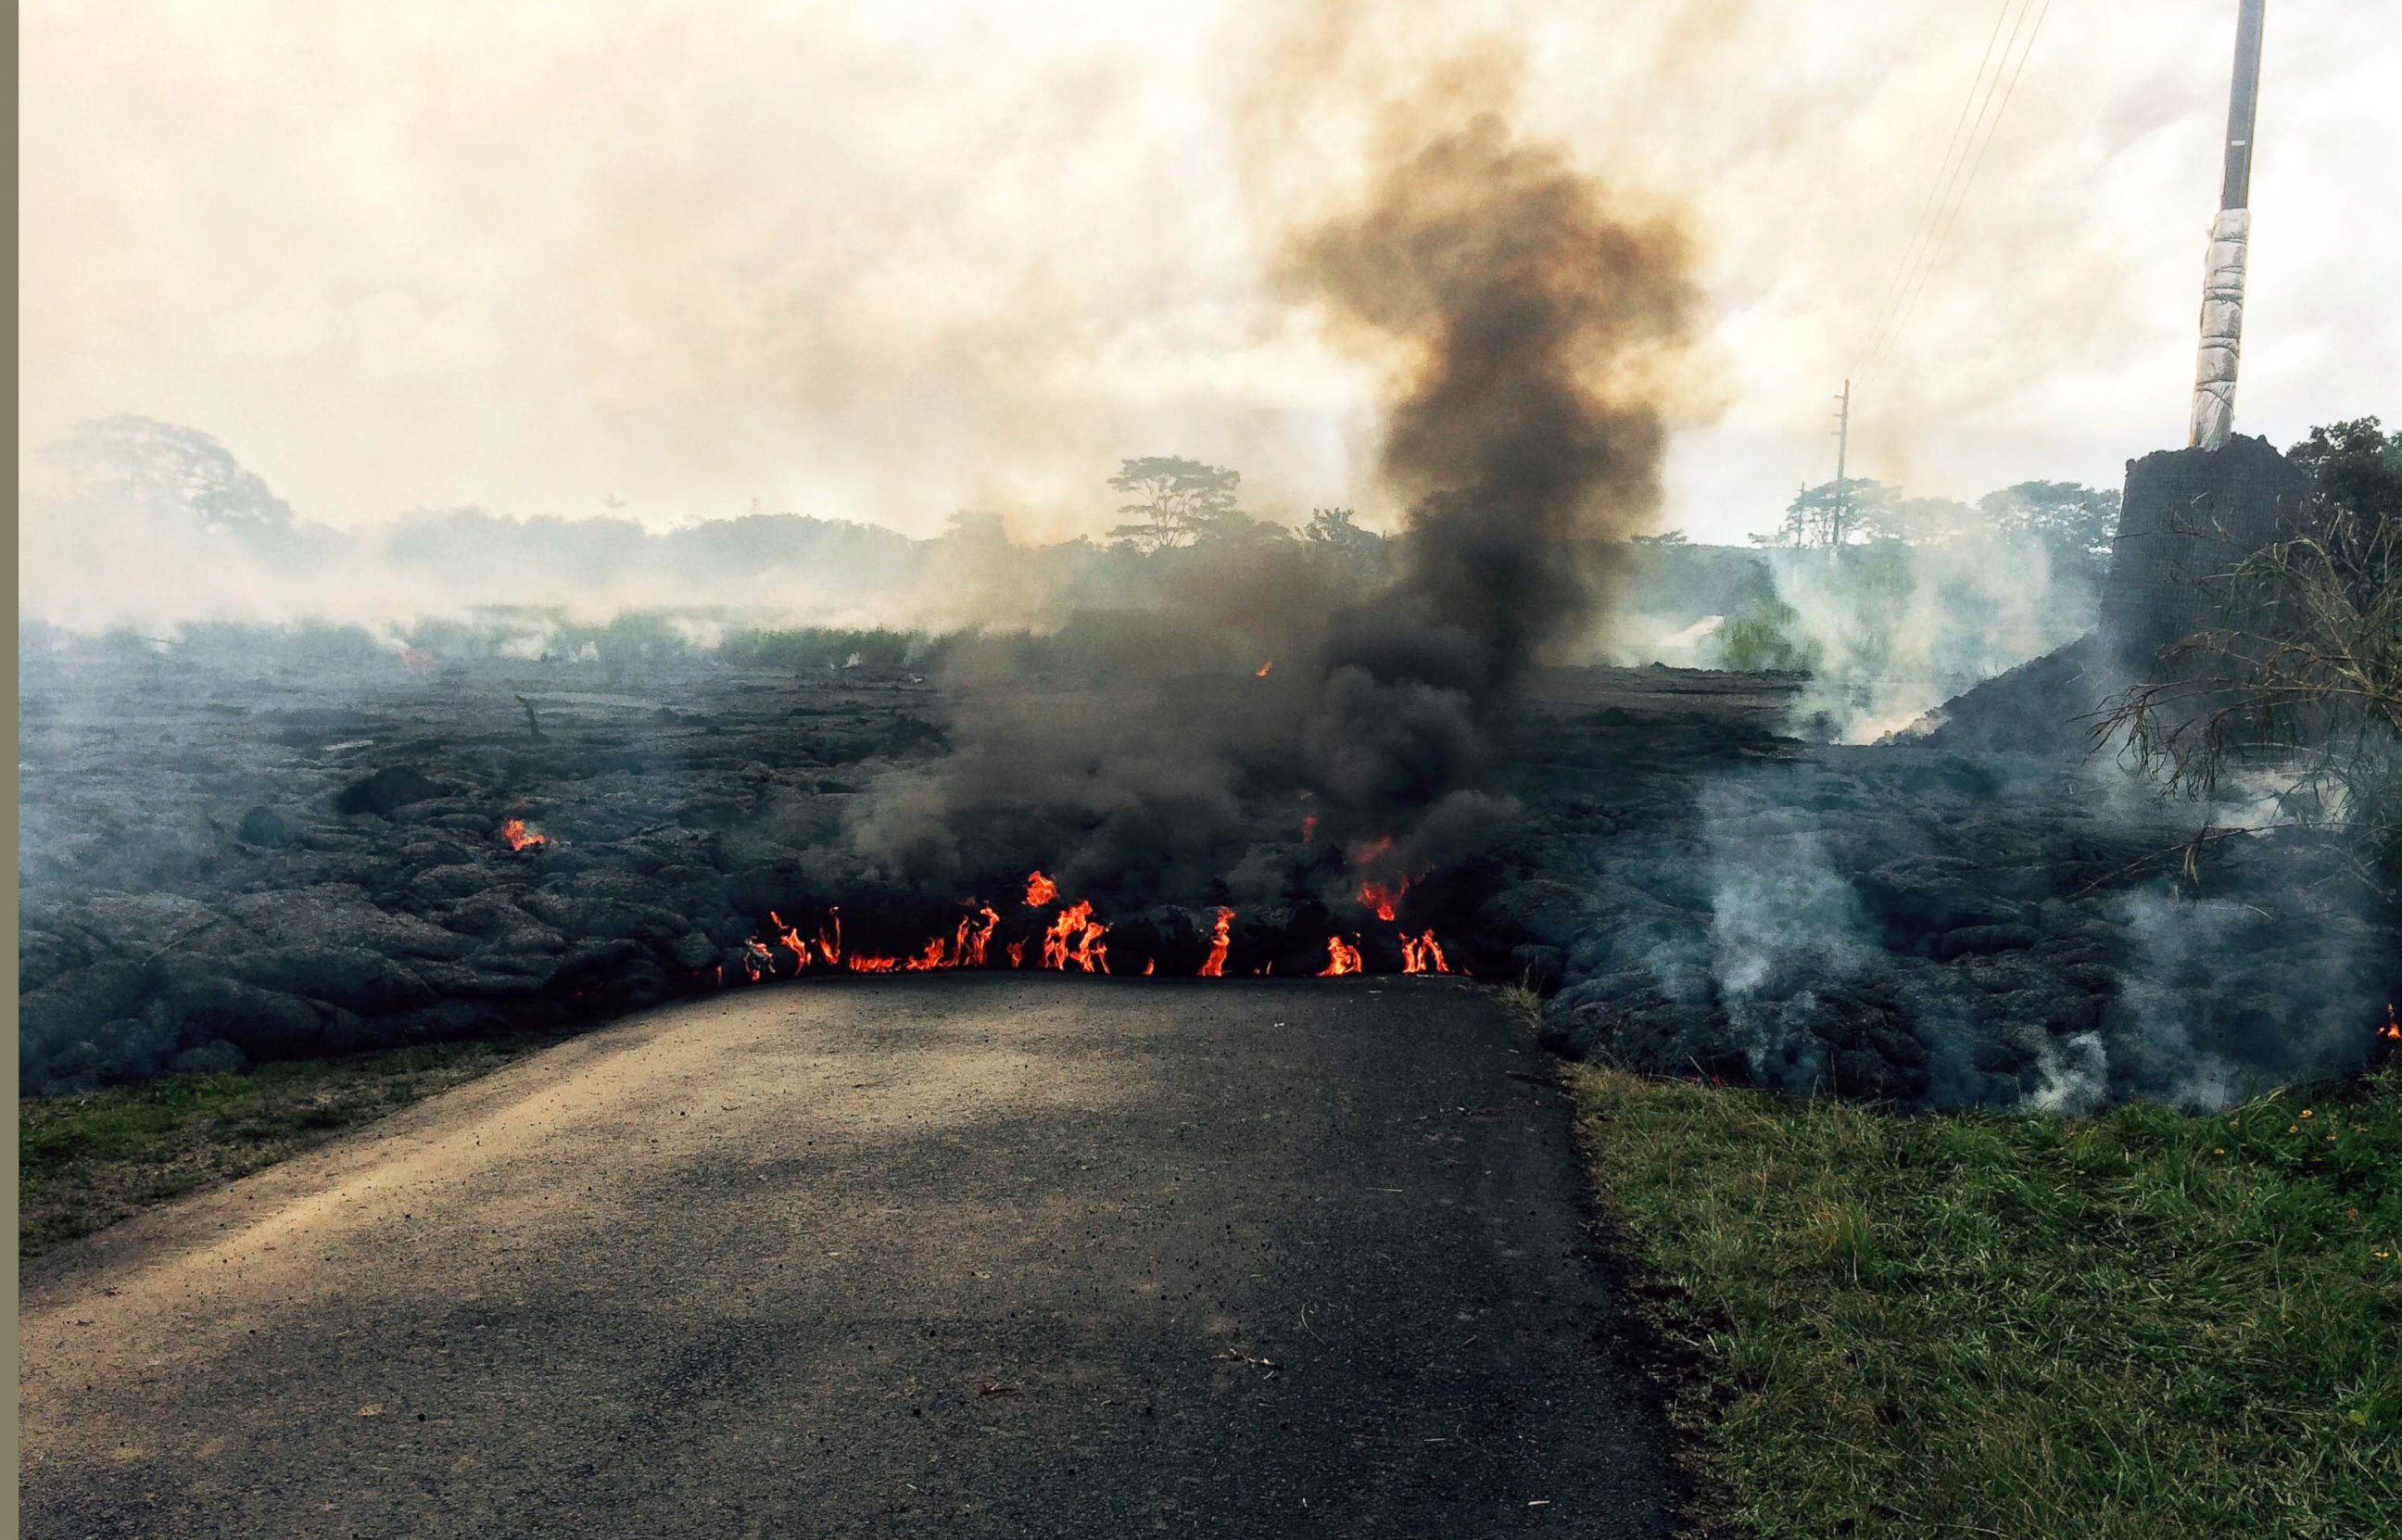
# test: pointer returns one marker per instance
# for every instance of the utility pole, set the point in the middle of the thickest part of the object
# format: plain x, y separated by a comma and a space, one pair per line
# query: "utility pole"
1837, 519
2231, 235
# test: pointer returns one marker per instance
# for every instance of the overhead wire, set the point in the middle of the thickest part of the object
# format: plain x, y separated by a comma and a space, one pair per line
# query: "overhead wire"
1937, 186
1878, 360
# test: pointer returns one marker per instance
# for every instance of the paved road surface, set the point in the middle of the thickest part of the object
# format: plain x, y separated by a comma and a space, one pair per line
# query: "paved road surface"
959, 1257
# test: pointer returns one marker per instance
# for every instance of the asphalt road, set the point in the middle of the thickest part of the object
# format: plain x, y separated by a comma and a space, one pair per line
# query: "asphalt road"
964, 1256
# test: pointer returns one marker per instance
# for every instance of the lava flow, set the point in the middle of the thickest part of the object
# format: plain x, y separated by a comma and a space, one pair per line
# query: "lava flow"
1214, 966
520, 836
1423, 955
1073, 939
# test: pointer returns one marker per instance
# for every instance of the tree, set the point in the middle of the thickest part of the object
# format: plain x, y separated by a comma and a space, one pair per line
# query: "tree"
1176, 502
1337, 530
2073, 522
1672, 537
2300, 675
162, 465
1817, 514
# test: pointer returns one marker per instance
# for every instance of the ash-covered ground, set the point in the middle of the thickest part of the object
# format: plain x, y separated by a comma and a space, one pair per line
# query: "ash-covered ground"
248, 851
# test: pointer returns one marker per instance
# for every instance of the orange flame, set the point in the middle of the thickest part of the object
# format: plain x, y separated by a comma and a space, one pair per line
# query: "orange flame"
1214, 966
1381, 899
875, 965
1264, 668
1308, 827
1423, 955
790, 939
1341, 959
1148, 964
1040, 891
520, 836
1017, 950
2392, 1030
1075, 937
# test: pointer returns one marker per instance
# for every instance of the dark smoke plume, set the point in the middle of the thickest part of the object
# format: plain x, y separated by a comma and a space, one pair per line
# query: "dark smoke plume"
1521, 303
1521, 323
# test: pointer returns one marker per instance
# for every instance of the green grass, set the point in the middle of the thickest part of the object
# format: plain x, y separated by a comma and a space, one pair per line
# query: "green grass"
2145, 1324
86, 1162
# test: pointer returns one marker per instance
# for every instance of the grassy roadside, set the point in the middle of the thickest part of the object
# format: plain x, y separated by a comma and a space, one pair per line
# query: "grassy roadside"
2141, 1325
86, 1162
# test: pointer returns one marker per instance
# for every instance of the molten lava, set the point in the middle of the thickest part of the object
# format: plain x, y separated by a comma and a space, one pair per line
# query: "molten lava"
1380, 898
1075, 937
1073, 940
1264, 668
1423, 955
520, 836
1214, 964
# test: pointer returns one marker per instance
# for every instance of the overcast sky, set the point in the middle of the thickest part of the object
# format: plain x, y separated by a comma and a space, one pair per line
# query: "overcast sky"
888, 261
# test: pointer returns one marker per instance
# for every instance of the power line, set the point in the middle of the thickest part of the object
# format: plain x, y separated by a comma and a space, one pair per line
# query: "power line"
1936, 249
1937, 184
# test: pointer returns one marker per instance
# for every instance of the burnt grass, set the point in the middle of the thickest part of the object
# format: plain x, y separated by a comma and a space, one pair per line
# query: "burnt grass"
243, 855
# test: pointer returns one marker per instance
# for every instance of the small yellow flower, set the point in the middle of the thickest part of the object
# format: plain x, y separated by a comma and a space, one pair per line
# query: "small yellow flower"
2218, 1152
2293, 1128
2306, 1112
2331, 1138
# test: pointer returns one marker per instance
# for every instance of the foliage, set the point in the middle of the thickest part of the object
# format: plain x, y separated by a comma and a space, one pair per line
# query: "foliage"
2299, 678
2074, 524
85, 1161
1174, 502
1765, 634
161, 463
2146, 1325
819, 647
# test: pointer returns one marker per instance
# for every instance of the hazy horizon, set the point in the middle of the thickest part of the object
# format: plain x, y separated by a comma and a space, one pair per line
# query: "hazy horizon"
882, 269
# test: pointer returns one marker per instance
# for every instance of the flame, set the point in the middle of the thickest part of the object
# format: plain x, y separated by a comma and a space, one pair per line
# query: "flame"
520, 836
875, 965
1075, 937
1017, 954
1308, 827
1214, 966
1375, 893
790, 939
1148, 964
1040, 891
1423, 955
2392, 1030
1264, 668
1341, 959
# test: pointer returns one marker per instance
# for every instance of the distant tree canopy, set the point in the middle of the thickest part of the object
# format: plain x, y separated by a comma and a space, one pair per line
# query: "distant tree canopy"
2074, 523
1176, 502
160, 463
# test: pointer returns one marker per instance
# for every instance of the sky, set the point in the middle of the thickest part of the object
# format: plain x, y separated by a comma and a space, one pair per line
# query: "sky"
890, 262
